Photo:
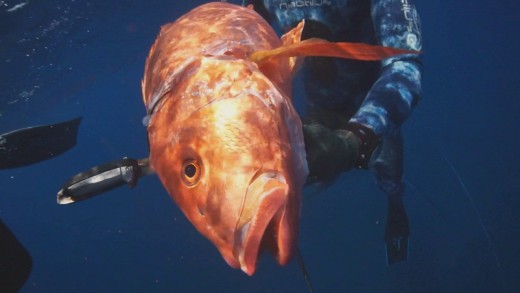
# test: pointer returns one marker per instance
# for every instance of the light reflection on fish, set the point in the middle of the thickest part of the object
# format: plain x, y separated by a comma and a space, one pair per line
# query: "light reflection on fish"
225, 140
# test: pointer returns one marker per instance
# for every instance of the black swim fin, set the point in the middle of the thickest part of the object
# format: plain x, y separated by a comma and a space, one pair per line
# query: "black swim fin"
15, 261
35, 144
397, 232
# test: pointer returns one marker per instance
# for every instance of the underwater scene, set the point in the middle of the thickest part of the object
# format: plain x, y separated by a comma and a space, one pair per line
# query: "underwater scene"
71, 98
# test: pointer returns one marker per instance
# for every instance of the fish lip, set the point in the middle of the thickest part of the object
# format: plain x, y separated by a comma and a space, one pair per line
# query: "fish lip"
272, 204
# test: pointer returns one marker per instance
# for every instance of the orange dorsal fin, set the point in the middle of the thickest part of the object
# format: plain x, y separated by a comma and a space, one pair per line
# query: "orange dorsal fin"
292, 38
323, 48
277, 69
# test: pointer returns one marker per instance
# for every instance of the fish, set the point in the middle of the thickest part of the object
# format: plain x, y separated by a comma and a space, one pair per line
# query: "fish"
224, 137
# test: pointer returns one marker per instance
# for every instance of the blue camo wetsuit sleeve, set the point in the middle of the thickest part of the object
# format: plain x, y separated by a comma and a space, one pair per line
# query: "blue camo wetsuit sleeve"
397, 90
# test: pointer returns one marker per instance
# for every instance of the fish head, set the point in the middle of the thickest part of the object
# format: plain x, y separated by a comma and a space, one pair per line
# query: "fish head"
229, 149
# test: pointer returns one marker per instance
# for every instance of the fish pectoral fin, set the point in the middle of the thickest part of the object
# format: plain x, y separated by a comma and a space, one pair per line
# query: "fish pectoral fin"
323, 48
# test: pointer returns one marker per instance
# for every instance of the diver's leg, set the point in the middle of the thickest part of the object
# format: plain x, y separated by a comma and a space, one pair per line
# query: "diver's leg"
15, 261
31, 145
388, 169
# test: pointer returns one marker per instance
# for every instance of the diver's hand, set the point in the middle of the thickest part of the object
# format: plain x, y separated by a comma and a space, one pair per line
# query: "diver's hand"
329, 152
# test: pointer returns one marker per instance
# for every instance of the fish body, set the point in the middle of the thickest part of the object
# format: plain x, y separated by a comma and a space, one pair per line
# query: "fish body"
225, 139
218, 117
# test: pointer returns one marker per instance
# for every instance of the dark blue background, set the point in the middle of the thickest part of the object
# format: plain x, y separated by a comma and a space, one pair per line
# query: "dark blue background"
62, 59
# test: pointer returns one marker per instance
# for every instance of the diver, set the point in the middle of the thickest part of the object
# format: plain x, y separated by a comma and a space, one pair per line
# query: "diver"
21, 148
355, 109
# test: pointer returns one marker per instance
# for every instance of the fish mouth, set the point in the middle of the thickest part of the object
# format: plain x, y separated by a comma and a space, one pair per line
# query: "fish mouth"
262, 223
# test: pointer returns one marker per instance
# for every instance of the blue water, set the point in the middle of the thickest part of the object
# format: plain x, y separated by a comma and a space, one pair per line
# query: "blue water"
63, 59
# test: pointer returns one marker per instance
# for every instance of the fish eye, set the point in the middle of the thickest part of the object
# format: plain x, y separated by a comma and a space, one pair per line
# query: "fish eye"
190, 172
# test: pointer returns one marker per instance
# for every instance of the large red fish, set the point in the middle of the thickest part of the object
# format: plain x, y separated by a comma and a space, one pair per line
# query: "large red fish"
225, 140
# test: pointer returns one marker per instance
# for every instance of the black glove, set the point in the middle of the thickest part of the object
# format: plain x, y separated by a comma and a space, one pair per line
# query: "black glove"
329, 152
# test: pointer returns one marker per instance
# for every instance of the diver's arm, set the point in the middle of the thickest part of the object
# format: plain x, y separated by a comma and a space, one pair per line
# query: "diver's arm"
397, 91
386, 106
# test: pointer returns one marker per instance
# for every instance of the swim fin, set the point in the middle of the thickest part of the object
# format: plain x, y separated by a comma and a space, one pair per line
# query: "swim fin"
15, 261
397, 232
31, 145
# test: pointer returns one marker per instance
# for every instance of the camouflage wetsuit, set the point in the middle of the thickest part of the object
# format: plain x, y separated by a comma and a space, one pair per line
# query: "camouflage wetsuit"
340, 93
